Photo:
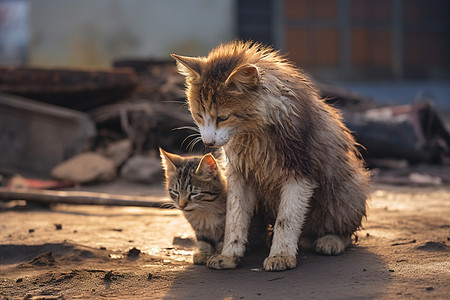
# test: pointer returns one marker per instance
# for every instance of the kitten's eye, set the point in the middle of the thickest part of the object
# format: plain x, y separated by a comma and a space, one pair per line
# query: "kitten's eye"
222, 119
173, 194
195, 196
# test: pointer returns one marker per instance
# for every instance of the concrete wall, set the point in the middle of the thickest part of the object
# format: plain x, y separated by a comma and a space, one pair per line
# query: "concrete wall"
92, 33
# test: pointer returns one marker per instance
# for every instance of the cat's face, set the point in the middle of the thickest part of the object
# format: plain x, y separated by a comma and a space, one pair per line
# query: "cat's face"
221, 97
194, 183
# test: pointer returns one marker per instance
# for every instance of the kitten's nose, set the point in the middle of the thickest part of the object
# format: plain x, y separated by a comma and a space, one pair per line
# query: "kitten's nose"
182, 204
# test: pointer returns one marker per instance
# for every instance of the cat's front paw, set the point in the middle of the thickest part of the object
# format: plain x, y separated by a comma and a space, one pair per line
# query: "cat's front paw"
221, 262
329, 244
280, 262
200, 258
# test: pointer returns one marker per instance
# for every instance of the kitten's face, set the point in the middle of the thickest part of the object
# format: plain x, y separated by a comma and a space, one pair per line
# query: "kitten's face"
194, 183
221, 98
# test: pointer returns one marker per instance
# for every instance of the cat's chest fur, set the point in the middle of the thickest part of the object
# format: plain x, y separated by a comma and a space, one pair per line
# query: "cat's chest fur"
258, 162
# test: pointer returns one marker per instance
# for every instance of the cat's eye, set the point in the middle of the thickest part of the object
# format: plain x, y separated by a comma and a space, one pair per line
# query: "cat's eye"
223, 118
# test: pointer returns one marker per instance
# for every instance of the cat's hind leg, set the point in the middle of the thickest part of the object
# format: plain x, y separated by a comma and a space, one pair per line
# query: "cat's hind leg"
331, 244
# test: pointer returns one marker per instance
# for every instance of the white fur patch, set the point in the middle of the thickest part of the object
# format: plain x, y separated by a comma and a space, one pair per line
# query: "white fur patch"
295, 195
208, 130
213, 136
240, 205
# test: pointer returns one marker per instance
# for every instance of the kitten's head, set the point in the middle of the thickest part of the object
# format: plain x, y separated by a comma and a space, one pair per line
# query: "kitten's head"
223, 89
194, 182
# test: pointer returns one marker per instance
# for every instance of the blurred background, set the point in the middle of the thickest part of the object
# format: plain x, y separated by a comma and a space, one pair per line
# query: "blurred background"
377, 52
331, 39
335, 40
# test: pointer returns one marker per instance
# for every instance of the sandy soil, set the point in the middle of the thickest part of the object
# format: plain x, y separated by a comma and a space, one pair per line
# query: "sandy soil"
81, 252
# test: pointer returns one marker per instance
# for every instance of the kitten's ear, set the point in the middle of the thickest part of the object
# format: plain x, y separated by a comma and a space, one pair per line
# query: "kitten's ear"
188, 66
169, 161
243, 78
207, 165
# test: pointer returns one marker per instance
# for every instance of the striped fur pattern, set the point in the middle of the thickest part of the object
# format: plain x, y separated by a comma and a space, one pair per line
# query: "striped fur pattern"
197, 186
287, 150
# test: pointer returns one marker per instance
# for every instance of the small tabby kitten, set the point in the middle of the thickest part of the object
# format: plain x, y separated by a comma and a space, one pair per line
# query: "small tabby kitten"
197, 186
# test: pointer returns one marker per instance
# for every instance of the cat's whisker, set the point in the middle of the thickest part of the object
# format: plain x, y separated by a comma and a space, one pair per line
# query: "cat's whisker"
194, 142
191, 135
175, 101
242, 144
195, 129
183, 103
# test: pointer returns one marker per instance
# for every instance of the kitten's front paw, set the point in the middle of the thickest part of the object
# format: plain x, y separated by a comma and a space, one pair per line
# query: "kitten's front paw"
221, 262
280, 262
200, 258
329, 244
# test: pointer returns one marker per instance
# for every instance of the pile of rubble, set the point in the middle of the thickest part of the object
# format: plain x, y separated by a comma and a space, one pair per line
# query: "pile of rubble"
84, 126
87, 126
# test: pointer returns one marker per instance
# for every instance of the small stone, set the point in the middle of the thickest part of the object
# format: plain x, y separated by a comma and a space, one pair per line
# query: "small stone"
133, 252
150, 276
257, 269
19, 280
58, 226
429, 289
30, 230
109, 276
118, 151
391, 271
364, 269
142, 168
85, 167
183, 242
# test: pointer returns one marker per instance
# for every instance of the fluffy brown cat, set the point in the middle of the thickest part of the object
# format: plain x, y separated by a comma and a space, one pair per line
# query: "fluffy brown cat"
285, 147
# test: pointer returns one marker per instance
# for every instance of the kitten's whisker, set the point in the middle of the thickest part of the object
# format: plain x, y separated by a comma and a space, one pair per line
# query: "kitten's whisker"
167, 205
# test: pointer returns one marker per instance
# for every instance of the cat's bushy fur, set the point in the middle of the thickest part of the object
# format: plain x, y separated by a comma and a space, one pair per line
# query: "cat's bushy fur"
197, 186
285, 147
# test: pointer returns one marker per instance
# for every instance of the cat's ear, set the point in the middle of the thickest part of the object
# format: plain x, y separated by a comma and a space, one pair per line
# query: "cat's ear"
207, 166
169, 161
243, 78
188, 66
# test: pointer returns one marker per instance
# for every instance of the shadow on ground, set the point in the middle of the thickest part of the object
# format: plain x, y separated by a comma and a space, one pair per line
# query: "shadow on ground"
357, 274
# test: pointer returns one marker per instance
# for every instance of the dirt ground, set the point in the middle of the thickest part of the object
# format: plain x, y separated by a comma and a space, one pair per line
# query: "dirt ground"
85, 252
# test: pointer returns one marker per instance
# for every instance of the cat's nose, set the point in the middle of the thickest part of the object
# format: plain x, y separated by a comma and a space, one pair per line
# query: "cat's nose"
209, 144
182, 205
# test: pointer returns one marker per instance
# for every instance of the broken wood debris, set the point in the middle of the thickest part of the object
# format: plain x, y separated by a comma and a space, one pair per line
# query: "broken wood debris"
48, 197
79, 89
